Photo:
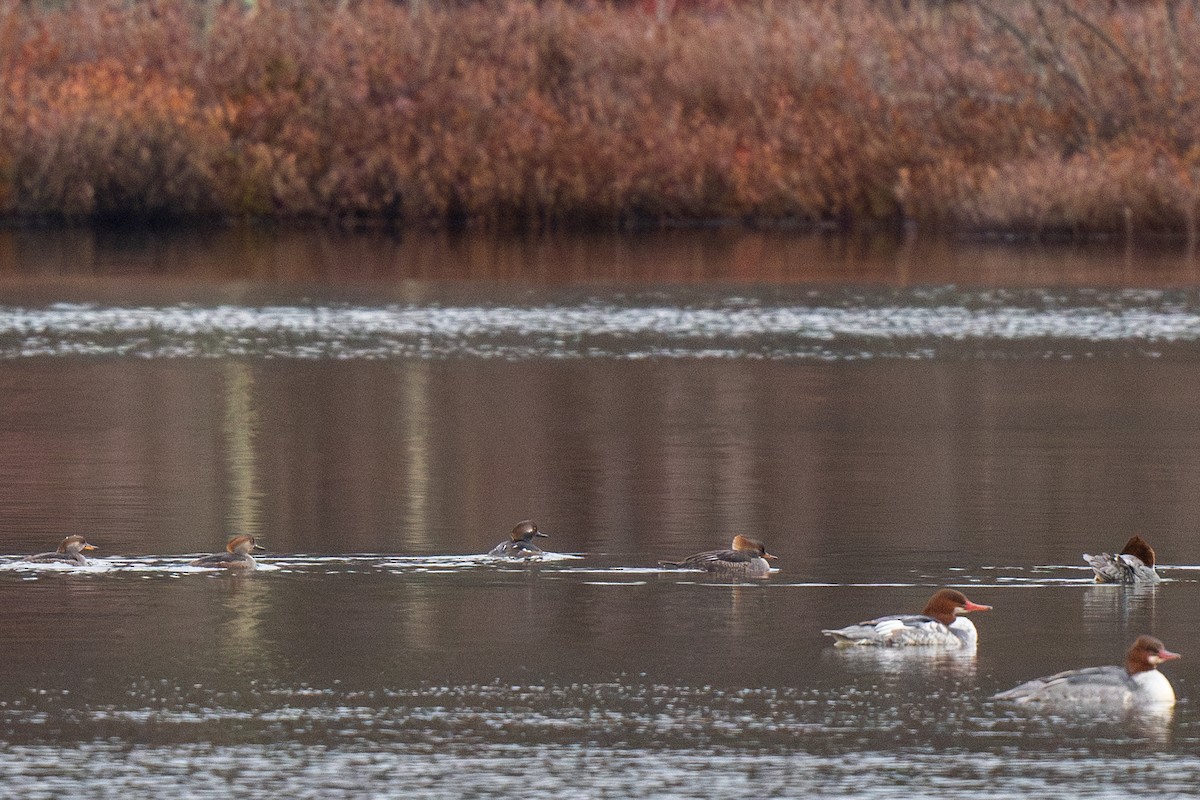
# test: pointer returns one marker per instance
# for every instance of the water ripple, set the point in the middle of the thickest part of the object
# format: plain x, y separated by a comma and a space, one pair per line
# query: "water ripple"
580, 739
819, 325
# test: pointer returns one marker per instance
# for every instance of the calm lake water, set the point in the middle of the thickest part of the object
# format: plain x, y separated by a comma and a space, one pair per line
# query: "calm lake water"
889, 417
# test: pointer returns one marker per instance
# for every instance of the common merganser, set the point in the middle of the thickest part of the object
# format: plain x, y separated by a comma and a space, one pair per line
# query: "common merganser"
1138, 684
69, 551
236, 555
1134, 564
941, 624
747, 559
520, 542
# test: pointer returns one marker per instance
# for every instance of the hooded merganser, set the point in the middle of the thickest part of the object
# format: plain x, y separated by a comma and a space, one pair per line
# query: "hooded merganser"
1134, 564
520, 542
747, 559
236, 555
1138, 684
69, 551
941, 624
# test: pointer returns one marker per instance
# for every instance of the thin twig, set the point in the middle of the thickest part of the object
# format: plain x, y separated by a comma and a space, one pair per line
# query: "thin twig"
1135, 74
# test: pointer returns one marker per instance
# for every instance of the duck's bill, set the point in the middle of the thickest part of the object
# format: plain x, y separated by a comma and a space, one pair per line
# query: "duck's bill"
1167, 655
976, 607
258, 546
770, 557
88, 547
542, 535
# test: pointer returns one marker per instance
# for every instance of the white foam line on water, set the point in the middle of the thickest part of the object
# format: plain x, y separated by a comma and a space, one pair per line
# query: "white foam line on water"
1004, 580
402, 562
272, 563
622, 571
726, 328
93, 566
119, 564
1086, 323
726, 583
446, 564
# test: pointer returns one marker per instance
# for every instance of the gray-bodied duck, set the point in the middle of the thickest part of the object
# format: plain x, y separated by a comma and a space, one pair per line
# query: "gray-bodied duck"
236, 555
748, 558
70, 551
519, 544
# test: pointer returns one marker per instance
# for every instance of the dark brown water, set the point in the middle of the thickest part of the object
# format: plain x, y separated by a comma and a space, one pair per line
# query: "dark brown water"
888, 418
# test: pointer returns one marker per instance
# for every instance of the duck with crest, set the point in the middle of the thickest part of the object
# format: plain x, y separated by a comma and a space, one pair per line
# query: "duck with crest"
70, 551
748, 558
519, 544
236, 555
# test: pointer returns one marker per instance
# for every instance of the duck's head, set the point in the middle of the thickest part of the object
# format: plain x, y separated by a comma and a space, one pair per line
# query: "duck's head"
744, 544
946, 604
75, 544
242, 545
1141, 549
526, 531
1146, 654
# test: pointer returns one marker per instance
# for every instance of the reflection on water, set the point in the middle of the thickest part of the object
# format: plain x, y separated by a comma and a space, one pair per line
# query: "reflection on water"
239, 429
240, 259
239, 634
415, 484
930, 663
381, 430
1131, 609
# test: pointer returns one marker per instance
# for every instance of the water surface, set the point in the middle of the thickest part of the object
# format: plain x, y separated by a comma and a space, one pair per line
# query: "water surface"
890, 418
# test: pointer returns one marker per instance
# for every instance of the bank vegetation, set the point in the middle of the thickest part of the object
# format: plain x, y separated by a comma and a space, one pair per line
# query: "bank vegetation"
1031, 116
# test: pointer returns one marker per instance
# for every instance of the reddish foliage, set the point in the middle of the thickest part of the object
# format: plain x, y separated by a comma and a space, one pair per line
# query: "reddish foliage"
1075, 116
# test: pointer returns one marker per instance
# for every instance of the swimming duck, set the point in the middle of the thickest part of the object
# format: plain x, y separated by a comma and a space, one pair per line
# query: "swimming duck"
747, 559
520, 544
1134, 564
941, 624
70, 551
236, 555
1138, 684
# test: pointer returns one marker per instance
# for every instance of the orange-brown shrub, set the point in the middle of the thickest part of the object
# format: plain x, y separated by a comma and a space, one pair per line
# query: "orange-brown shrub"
1067, 115
100, 141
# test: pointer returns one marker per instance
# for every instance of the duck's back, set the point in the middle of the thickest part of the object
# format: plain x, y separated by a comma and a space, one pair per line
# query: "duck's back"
732, 562
226, 560
511, 549
1093, 685
1122, 568
907, 630
59, 558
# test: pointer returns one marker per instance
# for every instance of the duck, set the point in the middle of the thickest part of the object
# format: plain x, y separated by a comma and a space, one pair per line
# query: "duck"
519, 544
1134, 564
236, 555
69, 551
940, 624
748, 558
1136, 685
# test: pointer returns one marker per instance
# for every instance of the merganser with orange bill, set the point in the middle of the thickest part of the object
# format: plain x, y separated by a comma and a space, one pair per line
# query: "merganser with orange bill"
1138, 684
1134, 564
941, 624
236, 555
520, 542
70, 551
748, 559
